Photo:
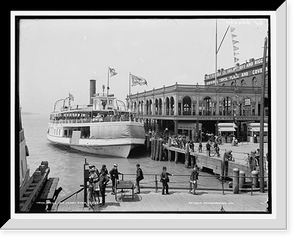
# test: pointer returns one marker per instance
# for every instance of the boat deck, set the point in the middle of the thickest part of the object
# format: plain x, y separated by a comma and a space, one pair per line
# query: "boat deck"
177, 201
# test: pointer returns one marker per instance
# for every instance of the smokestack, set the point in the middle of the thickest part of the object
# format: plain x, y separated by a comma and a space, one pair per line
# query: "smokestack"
92, 90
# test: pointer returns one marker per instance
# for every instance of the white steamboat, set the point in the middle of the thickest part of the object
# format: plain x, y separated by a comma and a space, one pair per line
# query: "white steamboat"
104, 127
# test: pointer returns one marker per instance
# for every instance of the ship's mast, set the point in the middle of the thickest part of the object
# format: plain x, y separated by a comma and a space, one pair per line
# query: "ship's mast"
216, 59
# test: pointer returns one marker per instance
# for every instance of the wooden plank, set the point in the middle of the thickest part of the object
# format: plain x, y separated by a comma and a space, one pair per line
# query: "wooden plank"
50, 188
31, 199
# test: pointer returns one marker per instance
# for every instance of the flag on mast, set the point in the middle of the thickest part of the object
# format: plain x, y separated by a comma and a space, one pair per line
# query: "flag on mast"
71, 96
112, 71
235, 48
136, 80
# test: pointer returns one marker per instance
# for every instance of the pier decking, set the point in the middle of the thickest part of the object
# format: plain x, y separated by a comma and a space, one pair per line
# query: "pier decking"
178, 201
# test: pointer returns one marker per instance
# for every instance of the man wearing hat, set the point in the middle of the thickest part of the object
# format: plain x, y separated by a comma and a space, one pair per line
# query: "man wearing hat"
114, 176
224, 165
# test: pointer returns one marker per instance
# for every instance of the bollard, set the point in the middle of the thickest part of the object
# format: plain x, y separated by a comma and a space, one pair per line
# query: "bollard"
156, 184
242, 179
255, 178
235, 181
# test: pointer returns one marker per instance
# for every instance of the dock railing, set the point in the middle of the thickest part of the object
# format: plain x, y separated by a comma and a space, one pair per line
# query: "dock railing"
239, 183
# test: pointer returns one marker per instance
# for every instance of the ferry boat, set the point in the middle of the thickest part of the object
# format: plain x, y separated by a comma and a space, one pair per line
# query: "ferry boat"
103, 127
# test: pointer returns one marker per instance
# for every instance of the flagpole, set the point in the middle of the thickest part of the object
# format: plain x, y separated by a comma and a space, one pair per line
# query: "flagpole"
262, 120
216, 55
107, 86
129, 85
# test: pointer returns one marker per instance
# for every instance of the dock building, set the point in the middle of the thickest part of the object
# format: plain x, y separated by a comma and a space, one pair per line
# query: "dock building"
229, 107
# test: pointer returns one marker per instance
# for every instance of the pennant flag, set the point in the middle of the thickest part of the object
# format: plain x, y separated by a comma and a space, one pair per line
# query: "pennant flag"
236, 59
233, 35
71, 96
234, 42
232, 29
135, 80
235, 48
112, 72
236, 53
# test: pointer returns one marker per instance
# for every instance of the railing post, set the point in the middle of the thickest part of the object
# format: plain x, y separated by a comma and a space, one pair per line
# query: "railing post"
222, 178
235, 181
251, 185
85, 178
255, 178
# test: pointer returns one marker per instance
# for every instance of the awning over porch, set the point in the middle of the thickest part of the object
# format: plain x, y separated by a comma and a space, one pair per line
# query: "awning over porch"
227, 127
255, 127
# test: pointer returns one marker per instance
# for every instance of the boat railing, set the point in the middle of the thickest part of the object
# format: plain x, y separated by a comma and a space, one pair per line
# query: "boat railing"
93, 120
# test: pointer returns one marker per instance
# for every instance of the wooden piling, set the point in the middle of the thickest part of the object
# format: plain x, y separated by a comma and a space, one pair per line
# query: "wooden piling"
153, 147
148, 143
157, 149
160, 152
187, 155
176, 157
169, 151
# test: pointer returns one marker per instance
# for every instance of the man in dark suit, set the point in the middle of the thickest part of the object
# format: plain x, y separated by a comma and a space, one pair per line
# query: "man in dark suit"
164, 179
139, 177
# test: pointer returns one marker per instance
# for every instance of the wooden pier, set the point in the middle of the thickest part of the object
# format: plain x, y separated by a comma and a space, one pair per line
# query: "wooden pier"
160, 151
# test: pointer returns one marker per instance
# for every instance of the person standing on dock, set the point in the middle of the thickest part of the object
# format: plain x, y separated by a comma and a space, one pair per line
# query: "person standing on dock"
114, 176
164, 179
103, 180
139, 177
95, 187
224, 165
194, 179
200, 147
208, 147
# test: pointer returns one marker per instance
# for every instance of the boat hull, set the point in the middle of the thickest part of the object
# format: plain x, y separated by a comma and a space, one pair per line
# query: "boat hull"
107, 147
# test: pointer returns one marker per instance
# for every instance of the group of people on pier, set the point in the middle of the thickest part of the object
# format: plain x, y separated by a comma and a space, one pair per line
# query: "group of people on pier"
98, 180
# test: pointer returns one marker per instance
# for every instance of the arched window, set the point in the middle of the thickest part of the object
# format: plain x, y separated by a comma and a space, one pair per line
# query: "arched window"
187, 103
167, 106
243, 82
227, 103
207, 106
159, 106
172, 106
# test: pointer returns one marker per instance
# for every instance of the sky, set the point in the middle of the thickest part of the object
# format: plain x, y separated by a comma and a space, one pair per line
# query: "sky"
58, 56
